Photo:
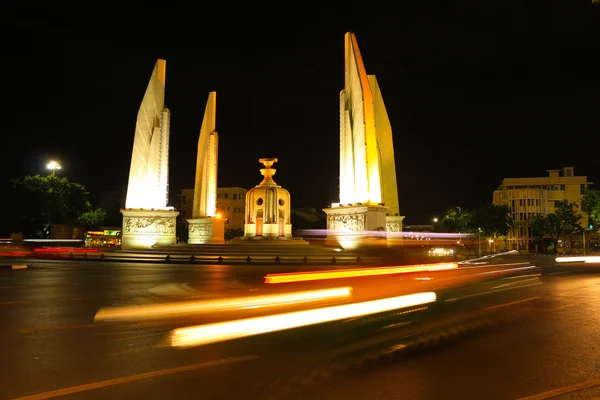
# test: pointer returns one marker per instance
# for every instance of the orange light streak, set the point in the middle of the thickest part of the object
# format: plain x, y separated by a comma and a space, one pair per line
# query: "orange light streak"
355, 273
202, 306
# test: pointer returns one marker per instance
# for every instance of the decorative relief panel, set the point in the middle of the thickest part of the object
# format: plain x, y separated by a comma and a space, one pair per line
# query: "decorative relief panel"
346, 223
394, 227
149, 225
201, 230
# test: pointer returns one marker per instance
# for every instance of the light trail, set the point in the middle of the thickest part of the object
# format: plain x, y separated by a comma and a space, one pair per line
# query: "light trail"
585, 259
171, 310
222, 331
354, 273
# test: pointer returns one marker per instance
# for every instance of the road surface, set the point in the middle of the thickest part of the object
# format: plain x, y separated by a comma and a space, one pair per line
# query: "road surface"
529, 334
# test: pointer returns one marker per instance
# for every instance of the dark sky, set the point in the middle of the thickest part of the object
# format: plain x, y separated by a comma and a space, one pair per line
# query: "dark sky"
476, 91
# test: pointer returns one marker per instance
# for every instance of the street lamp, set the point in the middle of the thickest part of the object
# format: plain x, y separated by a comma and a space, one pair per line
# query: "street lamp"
435, 220
479, 241
53, 165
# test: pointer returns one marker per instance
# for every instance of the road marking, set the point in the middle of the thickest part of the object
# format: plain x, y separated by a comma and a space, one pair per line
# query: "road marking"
515, 283
398, 325
95, 325
566, 389
39, 286
561, 307
511, 303
8, 303
395, 348
133, 378
467, 296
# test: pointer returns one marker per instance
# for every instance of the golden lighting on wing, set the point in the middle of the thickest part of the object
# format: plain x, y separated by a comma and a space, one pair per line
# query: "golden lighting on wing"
355, 273
222, 331
202, 306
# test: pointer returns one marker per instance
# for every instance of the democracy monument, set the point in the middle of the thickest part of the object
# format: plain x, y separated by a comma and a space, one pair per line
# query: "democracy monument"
368, 204
147, 220
368, 207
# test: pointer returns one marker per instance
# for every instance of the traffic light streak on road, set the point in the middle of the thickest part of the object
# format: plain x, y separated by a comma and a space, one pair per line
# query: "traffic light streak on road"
223, 331
179, 309
355, 273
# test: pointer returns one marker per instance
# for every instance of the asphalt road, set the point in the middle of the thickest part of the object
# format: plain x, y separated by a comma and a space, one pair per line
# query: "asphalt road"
529, 334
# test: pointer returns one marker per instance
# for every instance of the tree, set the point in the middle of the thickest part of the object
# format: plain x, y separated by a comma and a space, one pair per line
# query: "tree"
564, 220
32, 204
590, 204
493, 221
92, 219
457, 220
538, 227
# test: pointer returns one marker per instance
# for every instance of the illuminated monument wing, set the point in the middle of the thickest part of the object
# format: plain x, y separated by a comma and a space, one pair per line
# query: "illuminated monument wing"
368, 189
206, 226
147, 221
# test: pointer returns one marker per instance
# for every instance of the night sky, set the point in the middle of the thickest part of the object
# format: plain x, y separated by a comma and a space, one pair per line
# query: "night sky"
476, 91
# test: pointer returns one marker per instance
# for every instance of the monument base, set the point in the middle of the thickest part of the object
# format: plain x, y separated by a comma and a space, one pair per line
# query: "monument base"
352, 227
206, 230
143, 228
393, 230
268, 231
268, 241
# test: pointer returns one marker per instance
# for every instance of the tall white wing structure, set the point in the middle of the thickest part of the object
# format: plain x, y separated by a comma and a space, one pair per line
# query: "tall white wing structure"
205, 188
149, 171
367, 165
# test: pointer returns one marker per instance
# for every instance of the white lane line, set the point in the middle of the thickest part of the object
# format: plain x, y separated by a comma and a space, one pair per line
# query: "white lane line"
133, 378
563, 390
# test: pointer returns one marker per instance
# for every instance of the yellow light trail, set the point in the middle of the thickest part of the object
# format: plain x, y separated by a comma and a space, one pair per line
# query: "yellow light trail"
222, 331
585, 259
355, 272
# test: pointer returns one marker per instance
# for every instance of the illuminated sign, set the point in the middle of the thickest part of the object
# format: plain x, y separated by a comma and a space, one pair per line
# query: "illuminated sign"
111, 233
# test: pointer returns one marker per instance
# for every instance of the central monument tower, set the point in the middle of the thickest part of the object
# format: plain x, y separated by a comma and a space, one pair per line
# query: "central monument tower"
268, 207
147, 220
368, 204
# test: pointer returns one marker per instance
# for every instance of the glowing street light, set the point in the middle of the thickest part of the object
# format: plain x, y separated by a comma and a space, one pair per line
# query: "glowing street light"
53, 165
435, 220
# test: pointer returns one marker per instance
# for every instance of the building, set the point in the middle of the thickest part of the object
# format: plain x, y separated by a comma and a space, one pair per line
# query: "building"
417, 228
185, 204
230, 205
528, 197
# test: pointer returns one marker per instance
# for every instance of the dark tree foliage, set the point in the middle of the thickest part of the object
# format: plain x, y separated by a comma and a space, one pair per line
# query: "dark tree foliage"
33, 203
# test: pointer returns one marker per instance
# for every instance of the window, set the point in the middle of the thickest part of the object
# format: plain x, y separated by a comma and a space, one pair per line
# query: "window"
568, 171
582, 188
562, 187
235, 196
225, 195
